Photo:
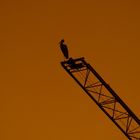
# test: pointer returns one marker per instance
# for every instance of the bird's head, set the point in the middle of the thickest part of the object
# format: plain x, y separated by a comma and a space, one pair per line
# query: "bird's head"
62, 41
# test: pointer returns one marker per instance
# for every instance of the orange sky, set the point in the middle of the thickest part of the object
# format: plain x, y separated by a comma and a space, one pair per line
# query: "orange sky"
39, 100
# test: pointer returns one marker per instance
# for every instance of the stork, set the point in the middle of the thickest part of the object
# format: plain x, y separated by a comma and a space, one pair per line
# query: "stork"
64, 49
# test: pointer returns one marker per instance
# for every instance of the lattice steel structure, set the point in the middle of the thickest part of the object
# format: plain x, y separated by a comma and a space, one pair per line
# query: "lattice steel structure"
104, 96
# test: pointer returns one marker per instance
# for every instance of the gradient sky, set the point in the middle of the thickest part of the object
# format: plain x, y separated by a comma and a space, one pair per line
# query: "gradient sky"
38, 99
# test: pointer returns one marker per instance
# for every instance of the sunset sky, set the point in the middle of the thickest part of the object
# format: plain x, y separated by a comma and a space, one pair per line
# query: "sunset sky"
38, 99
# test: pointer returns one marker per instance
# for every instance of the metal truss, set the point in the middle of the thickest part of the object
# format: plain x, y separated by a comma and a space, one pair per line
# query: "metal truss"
104, 96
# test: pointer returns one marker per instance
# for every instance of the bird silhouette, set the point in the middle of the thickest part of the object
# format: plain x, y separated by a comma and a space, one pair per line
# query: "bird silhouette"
64, 49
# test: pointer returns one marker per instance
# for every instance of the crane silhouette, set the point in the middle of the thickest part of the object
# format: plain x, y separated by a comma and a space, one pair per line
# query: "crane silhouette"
64, 49
104, 96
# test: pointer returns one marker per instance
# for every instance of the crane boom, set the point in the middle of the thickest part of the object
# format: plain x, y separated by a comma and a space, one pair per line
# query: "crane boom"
104, 96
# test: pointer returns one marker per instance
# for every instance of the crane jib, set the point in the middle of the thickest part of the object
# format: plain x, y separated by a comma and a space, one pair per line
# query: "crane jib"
104, 96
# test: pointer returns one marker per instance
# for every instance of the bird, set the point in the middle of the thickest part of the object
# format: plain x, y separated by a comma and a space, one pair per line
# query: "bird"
64, 49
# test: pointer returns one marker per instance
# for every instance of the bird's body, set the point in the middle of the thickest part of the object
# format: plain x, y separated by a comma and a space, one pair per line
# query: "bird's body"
64, 49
